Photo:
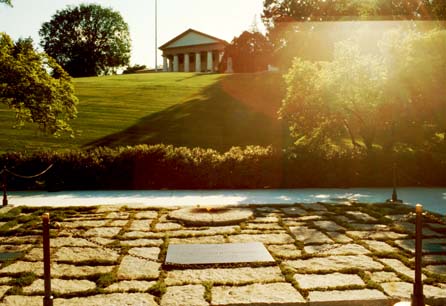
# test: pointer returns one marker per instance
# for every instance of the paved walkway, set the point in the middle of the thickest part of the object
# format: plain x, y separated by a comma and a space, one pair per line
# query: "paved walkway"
324, 255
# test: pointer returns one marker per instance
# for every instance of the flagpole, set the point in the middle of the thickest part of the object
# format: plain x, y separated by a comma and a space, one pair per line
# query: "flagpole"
156, 35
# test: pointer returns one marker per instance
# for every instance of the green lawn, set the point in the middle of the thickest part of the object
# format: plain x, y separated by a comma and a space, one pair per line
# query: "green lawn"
184, 109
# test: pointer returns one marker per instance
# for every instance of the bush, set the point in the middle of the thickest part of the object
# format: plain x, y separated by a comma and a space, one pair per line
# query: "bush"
161, 166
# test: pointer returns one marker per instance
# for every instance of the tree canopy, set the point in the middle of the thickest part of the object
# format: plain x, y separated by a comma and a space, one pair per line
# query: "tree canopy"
276, 11
87, 40
394, 97
250, 52
35, 86
8, 2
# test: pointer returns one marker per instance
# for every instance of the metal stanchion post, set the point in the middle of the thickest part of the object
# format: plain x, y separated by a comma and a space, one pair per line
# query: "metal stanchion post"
5, 196
48, 298
418, 298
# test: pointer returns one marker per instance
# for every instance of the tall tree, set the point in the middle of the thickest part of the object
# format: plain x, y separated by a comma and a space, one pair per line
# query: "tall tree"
35, 86
8, 2
87, 40
250, 52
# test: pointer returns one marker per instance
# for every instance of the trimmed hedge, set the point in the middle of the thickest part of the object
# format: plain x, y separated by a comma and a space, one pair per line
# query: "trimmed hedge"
161, 166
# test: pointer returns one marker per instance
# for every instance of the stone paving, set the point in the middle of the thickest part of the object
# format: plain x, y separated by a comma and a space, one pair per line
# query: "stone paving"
325, 254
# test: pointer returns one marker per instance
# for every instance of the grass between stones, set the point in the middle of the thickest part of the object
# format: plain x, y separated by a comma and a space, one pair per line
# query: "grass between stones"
28, 220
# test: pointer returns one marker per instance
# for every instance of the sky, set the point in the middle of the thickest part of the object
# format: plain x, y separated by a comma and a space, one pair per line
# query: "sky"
224, 19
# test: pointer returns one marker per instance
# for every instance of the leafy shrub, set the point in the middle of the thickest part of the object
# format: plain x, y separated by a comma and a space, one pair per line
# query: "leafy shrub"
162, 166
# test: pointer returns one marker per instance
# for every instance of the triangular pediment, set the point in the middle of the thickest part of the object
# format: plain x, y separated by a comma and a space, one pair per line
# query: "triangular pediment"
191, 38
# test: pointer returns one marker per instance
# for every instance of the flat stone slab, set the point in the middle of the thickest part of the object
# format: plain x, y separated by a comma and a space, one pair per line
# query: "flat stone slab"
191, 295
383, 277
309, 235
333, 263
78, 255
381, 235
380, 246
148, 253
149, 214
23, 266
439, 269
262, 238
132, 268
220, 276
107, 232
203, 254
127, 286
61, 286
19, 300
329, 226
429, 245
257, 294
64, 270
399, 267
294, 211
325, 281
361, 216
3, 290
361, 297
336, 249
199, 240
142, 242
211, 216
127, 299
288, 251
402, 290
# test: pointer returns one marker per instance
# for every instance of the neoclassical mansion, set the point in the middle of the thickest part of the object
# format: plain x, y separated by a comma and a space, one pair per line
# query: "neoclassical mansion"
193, 51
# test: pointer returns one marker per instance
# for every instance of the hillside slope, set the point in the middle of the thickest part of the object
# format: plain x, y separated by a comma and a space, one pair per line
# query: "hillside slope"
183, 109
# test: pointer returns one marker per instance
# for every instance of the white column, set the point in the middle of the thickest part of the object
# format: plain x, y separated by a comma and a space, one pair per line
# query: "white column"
210, 66
165, 64
175, 63
186, 62
198, 62
220, 56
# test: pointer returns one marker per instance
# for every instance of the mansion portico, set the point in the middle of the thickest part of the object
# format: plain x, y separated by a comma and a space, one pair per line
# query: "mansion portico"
193, 51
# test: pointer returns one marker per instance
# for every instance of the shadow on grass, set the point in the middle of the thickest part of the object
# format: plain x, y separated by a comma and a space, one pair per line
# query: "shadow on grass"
223, 115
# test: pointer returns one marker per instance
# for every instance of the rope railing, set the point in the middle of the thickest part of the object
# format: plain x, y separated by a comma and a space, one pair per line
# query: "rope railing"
5, 171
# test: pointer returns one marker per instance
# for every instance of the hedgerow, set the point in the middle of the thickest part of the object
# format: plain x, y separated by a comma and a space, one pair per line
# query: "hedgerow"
168, 167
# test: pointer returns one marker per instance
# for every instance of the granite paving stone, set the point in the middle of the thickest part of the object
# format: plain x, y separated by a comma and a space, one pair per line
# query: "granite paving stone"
149, 214
61, 286
211, 231
263, 238
79, 255
70, 241
222, 276
118, 223
358, 297
326, 281
309, 235
268, 219
336, 249
198, 240
190, 295
429, 245
361, 216
410, 228
433, 295
141, 242
288, 251
313, 206
257, 294
5, 280
329, 226
383, 277
381, 235
439, 269
108, 208
22, 267
338, 237
432, 259
264, 226
20, 300
127, 286
399, 267
84, 223
141, 234
107, 232
114, 299
140, 225
132, 268
167, 226
333, 263
380, 246
148, 253
294, 211
64, 270
118, 215
368, 227
3, 290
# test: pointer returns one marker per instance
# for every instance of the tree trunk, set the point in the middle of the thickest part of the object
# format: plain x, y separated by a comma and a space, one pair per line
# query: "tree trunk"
350, 132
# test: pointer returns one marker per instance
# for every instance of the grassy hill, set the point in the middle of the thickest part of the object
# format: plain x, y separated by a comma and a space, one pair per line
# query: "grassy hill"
183, 109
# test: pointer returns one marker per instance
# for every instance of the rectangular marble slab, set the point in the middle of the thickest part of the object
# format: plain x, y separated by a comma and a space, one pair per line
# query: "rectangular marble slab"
227, 253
